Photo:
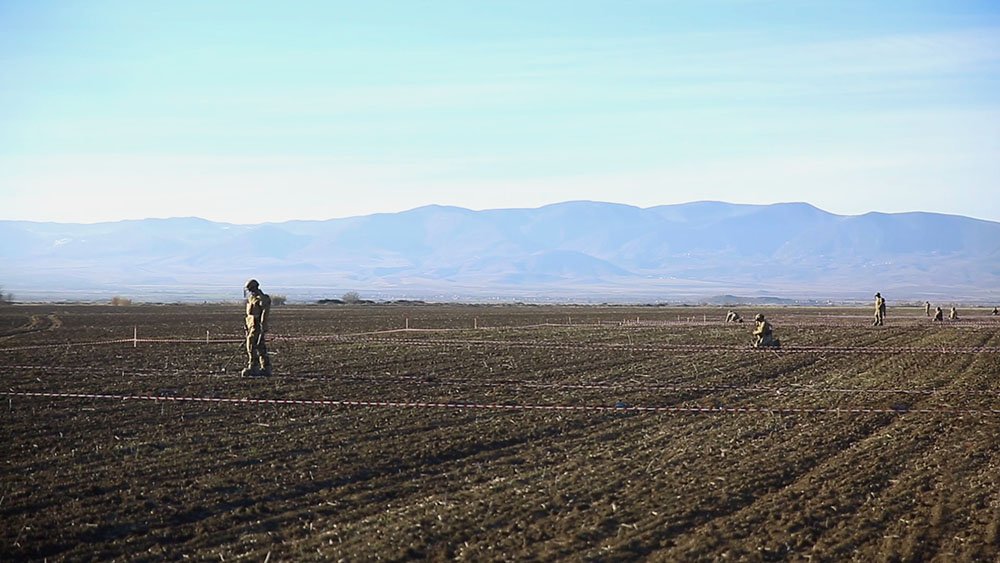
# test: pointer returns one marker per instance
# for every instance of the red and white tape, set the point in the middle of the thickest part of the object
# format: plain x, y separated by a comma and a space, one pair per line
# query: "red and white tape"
509, 407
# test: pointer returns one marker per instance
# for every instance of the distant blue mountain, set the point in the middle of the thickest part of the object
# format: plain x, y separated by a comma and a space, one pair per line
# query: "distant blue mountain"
578, 250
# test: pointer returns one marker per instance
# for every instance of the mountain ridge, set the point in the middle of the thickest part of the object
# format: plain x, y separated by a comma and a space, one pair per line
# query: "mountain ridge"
575, 250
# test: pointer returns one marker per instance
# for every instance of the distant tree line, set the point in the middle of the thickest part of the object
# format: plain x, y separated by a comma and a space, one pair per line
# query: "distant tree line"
352, 298
349, 298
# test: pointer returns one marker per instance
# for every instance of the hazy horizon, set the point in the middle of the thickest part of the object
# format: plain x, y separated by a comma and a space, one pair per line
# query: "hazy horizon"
508, 208
574, 251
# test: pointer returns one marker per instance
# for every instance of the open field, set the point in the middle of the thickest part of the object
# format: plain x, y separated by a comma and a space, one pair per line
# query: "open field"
483, 433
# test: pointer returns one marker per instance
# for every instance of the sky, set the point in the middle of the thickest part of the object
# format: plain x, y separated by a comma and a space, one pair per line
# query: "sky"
247, 111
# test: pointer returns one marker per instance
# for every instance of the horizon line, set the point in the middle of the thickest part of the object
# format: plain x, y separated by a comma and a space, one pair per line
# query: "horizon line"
483, 210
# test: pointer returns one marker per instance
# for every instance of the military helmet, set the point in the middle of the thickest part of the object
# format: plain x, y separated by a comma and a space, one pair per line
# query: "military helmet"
759, 317
877, 294
252, 285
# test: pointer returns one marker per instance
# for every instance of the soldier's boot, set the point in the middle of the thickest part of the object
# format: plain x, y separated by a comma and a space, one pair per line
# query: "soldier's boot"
265, 366
251, 369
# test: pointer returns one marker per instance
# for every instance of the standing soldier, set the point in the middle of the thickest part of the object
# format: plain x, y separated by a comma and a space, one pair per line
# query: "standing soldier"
763, 336
879, 310
258, 311
927, 308
938, 315
953, 315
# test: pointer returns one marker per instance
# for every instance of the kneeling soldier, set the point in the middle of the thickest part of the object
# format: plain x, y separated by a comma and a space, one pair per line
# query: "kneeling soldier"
763, 336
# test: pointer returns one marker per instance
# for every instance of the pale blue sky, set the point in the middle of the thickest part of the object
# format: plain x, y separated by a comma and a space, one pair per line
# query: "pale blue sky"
247, 111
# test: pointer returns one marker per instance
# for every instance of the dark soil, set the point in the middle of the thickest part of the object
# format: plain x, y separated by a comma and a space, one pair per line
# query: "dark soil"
785, 464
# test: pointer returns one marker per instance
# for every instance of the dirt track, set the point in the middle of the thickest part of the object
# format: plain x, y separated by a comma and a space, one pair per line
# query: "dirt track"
853, 443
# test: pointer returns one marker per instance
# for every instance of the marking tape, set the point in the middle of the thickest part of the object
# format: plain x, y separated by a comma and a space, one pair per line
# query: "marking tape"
682, 347
508, 407
372, 338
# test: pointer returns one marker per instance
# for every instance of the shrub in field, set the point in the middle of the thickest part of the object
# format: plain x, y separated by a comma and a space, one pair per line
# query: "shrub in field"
349, 298
120, 301
278, 300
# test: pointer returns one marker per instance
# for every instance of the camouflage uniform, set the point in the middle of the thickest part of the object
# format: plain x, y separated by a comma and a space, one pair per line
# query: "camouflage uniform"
938, 314
996, 311
258, 312
763, 336
927, 308
953, 315
733, 317
879, 310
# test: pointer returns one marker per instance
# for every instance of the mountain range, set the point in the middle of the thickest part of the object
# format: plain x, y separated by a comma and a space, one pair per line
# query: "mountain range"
577, 251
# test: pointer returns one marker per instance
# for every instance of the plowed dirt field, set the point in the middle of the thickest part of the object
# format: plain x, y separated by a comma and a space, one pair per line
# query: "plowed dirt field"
498, 433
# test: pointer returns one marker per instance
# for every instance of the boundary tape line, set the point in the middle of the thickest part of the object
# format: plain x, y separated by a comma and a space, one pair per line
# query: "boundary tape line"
66, 345
507, 407
681, 347
541, 345
514, 384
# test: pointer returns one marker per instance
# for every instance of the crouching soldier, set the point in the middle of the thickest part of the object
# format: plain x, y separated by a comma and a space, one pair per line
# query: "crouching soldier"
938, 315
733, 317
258, 311
763, 336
